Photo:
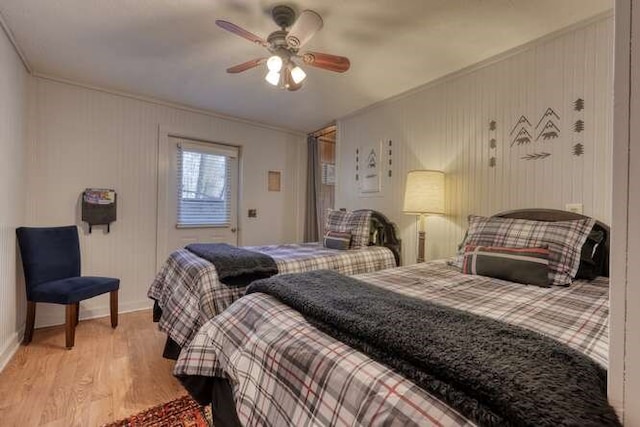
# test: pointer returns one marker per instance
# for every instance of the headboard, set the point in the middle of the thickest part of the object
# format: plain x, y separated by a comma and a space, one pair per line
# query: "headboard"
558, 215
384, 233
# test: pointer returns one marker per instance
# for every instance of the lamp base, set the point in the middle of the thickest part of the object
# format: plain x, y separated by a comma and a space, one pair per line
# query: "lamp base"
421, 241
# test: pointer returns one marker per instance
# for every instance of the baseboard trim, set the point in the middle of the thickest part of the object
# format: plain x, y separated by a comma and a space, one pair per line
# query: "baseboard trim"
10, 348
56, 319
13, 344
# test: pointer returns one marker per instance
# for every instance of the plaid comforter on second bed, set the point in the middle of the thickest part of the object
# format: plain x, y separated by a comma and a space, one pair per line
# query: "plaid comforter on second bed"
189, 293
286, 372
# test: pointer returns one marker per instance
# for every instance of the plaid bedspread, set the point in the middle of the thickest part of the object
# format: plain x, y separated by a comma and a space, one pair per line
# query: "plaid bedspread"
285, 372
189, 293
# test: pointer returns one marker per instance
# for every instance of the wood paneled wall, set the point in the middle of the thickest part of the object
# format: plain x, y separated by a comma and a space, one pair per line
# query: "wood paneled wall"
13, 117
90, 138
446, 126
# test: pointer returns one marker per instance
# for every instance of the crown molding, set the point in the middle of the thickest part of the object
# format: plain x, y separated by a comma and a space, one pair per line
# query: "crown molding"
12, 40
161, 102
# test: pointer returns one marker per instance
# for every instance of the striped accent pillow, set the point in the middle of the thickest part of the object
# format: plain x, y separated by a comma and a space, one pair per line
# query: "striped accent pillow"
337, 240
521, 265
563, 238
356, 223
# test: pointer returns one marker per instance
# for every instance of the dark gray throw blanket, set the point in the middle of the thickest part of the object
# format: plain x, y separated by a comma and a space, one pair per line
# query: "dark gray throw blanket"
494, 373
235, 266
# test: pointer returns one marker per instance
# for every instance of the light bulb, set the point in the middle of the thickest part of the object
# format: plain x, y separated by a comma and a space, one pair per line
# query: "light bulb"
298, 75
273, 77
274, 63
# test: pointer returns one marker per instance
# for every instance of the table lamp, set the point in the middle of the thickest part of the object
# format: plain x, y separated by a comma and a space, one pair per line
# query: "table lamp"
424, 195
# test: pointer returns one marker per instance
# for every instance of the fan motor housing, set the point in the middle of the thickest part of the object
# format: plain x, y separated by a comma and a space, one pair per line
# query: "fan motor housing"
278, 45
284, 16
277, 39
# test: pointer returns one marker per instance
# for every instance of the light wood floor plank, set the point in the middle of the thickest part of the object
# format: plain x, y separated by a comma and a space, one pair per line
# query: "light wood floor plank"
108, 375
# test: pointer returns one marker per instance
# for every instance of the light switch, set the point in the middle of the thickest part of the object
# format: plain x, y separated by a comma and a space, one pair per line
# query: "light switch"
574, 207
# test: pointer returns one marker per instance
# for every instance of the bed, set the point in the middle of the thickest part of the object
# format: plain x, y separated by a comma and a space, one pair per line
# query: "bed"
187, 291
262, 362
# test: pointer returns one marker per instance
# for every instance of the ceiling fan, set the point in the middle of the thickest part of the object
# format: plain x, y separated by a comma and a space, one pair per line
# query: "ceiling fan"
284, 46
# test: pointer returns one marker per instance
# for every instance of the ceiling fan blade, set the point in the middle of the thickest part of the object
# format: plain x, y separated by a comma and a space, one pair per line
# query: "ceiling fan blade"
288, 80
307, 24
339, 64
233, 28
246, 65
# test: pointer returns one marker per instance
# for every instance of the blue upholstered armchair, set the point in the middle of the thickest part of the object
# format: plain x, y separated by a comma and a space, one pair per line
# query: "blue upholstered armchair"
51, 262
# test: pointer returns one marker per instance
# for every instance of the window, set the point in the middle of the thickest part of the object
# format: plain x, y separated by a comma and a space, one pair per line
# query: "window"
204, 184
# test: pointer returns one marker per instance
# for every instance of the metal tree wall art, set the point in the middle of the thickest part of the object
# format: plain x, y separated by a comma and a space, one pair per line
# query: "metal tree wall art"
578, 128
536, 156
493, 143
357, 164
578, 149
390, 159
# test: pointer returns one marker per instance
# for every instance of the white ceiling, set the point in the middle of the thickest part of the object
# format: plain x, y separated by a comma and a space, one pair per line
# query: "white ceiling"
172, 50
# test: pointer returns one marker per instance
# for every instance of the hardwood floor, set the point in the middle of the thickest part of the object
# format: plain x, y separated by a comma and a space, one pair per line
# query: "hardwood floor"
109, 374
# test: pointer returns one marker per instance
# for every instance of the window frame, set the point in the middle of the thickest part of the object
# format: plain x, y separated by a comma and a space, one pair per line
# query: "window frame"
231, 154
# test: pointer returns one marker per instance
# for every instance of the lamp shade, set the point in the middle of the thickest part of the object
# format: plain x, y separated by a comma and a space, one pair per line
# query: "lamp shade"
274, 64
307, 24
424, 192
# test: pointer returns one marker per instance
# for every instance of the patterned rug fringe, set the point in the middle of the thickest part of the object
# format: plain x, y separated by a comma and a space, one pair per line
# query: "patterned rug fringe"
181, 412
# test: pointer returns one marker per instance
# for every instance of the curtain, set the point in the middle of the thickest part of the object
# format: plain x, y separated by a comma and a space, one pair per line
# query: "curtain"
313, 217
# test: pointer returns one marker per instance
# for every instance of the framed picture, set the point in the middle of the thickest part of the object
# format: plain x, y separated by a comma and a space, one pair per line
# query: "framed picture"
370, 168
328, 174
273, 180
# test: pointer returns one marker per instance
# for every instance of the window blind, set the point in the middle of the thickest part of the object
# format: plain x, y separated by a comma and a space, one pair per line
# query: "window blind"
204, 184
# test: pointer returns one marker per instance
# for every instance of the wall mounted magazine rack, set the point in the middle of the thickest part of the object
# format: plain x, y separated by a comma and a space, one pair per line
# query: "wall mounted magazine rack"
99, 207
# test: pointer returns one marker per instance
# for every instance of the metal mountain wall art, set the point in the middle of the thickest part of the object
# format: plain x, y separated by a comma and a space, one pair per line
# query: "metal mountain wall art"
547, 129
550, 130
522, 136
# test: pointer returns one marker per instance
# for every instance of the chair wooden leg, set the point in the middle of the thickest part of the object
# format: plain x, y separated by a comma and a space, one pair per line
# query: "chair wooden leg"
114, 308
70, 325
31, 320
77, 313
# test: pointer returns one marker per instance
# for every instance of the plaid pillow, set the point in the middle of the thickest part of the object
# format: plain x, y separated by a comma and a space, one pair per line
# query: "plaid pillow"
521, 265
564, 238
356, 223
337, 240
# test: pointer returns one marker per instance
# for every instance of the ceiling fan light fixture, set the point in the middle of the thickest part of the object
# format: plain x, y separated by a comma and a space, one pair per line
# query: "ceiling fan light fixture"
284, 47
273, 77
274, 64
298, 74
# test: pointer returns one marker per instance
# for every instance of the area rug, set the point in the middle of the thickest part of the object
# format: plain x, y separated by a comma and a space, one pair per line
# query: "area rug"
182, 412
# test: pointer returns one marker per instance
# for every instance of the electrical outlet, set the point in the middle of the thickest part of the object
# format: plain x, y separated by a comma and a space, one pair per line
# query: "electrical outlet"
574, 207
252, 213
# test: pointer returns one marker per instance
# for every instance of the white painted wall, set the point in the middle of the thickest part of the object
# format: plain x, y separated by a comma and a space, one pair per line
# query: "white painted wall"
624, 372
89, 138
445, 125
13, 118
